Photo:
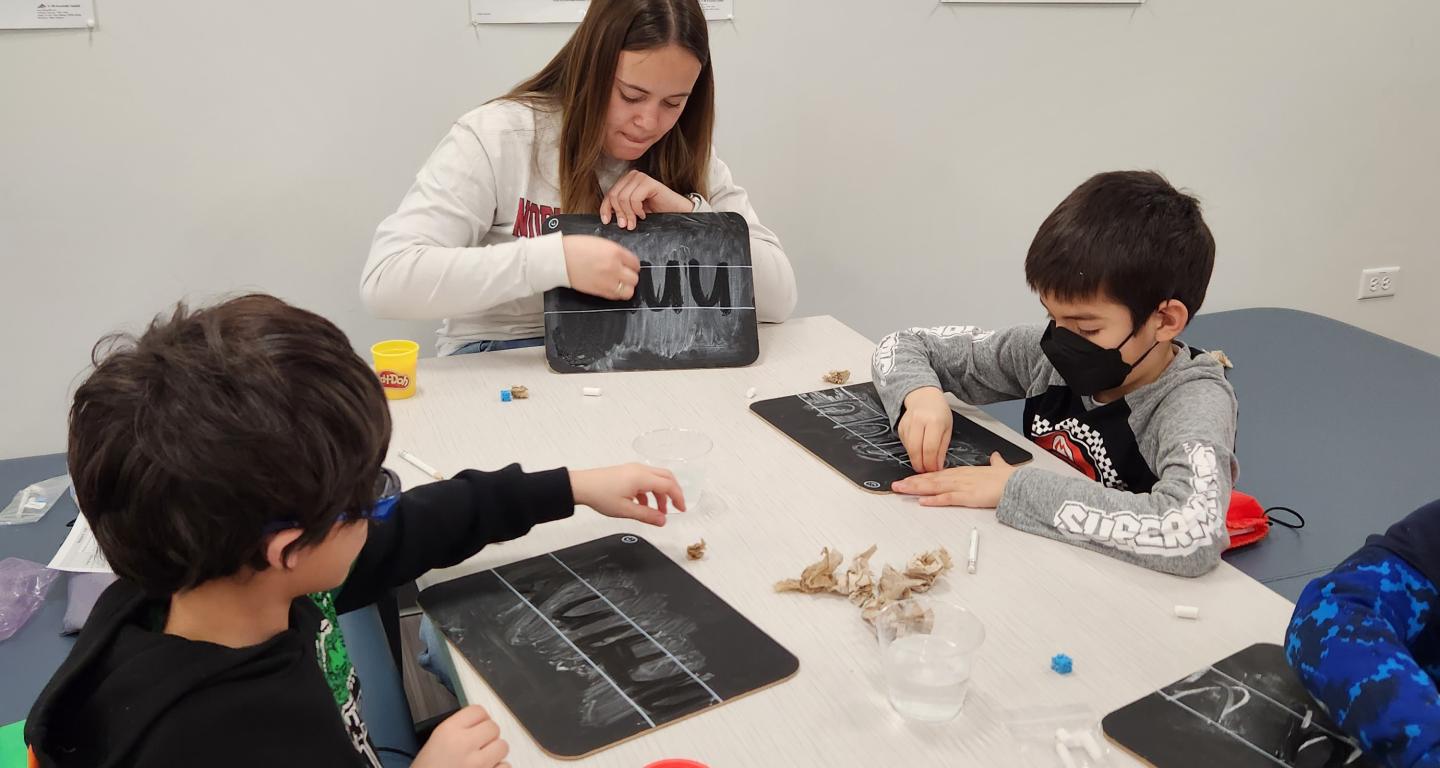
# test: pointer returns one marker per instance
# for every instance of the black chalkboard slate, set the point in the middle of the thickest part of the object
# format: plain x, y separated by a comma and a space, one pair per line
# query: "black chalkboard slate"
601, 642
846, 427
1246, 710
693, 308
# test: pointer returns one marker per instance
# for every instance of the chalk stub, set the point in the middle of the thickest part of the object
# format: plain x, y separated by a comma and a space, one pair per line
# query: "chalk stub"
750, 394
1187, 612
591, 391
1064, 754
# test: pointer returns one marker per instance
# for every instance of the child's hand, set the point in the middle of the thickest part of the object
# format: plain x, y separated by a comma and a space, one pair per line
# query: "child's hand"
624, 491
978, 487
925, 429
467, 739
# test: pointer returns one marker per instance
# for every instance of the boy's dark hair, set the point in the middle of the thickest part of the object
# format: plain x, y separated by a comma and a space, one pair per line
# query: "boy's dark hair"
186, 442
1127, 235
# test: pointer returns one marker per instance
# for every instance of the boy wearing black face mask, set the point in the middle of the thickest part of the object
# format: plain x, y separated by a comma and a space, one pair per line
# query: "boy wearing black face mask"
1120, 266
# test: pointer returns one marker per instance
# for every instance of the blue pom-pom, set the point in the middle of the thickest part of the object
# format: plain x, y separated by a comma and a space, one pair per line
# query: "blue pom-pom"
1062, 664
505, 396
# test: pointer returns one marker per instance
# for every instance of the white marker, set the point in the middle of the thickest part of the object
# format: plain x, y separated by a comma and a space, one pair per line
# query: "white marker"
415, 462
591, 391
750, 394
1187, 611
974, 549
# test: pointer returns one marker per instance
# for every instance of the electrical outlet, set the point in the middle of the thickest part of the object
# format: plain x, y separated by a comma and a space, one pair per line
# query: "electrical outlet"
1378, 282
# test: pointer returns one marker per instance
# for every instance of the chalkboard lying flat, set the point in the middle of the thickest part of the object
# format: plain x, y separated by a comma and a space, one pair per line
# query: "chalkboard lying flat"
601, 642
694, 306
1246, 710
846, 427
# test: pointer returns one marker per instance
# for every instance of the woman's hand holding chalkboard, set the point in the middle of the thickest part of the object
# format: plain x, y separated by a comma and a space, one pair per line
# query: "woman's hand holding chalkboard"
466, 739
637, 194
601, 267
925, 429
625, 491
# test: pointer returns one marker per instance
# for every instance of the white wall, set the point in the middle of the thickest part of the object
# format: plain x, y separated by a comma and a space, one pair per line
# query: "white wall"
904, 151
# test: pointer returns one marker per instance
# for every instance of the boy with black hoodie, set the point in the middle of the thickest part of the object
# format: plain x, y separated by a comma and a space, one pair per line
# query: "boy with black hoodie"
229, 462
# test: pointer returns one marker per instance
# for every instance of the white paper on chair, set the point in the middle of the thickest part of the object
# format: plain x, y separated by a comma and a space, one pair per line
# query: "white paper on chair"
81, 552
46, 14
560, 11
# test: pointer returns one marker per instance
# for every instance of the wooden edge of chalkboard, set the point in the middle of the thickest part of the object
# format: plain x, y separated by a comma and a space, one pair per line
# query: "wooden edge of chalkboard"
1124, 748
455, 653
828, 465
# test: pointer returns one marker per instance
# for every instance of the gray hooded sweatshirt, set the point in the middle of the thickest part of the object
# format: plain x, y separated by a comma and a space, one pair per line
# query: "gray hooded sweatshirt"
1158, 464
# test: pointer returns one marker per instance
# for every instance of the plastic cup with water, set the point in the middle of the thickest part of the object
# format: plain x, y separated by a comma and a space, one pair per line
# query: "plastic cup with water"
685, 452
927, 648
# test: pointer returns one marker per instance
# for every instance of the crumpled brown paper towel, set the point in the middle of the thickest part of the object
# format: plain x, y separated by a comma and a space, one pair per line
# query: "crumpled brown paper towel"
858, 582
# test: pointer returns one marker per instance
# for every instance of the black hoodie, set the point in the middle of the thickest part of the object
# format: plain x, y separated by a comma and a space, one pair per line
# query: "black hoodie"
131, 695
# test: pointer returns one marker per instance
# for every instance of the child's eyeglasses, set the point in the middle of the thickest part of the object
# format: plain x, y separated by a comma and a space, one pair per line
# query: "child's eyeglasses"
387, 493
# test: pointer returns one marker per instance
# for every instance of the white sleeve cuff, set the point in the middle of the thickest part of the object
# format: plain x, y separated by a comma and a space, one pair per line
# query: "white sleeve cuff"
545, 263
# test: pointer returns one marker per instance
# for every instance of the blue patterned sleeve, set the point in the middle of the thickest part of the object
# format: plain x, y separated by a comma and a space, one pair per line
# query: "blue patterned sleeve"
1353, 642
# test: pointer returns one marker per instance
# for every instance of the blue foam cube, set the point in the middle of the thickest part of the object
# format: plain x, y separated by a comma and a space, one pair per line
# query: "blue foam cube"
1062, 664
505, 396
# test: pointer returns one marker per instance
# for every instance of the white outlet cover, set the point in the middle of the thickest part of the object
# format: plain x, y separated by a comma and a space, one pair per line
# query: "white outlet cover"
1378, 282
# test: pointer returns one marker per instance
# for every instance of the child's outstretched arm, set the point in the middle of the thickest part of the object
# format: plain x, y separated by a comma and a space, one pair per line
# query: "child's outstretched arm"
442, 523
1177, 527
913, 368
1350, 641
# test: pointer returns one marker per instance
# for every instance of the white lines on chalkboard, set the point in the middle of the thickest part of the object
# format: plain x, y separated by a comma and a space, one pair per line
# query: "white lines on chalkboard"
628, 309
698, 266
1177, 702
626, 617
1217, 671
845, 427
576, 648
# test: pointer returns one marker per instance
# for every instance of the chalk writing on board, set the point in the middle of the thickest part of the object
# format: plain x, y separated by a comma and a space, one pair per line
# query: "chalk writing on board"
693, 307
638, 659
600, 642
859, 415
1245, 711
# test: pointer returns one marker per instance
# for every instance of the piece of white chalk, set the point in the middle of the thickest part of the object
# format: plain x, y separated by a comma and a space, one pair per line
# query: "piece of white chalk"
1187, 611
591, 391
1064, 753
1092, 747
750, 394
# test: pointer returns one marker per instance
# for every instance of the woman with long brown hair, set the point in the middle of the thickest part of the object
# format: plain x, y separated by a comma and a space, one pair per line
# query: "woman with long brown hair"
619, 124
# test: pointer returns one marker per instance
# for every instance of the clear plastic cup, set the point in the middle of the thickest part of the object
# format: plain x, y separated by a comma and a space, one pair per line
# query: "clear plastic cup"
685, 452
927, 647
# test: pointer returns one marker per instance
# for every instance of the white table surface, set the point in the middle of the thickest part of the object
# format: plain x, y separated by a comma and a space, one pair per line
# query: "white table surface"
769, 509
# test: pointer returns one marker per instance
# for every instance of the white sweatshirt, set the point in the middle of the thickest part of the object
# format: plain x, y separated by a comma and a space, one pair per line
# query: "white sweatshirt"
462, 246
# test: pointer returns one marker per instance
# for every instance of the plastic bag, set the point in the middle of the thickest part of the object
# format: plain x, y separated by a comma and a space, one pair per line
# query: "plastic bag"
23, 585
33, 501
1036, 732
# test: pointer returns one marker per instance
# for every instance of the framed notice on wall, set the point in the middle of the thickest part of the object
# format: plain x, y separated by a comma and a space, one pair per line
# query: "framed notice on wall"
47, 14
562, 11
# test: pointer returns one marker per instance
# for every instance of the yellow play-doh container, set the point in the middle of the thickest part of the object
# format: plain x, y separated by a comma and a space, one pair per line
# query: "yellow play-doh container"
395, 362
